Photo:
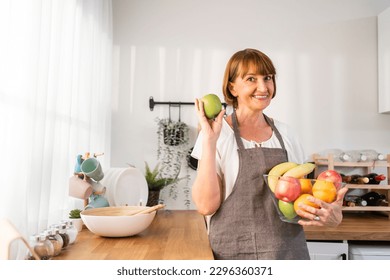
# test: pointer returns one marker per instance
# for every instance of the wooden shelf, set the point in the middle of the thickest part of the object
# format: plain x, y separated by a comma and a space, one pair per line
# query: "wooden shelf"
367, 186
330, 163
367, 208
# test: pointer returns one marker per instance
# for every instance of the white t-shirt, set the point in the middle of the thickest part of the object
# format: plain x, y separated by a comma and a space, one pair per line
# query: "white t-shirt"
227, 155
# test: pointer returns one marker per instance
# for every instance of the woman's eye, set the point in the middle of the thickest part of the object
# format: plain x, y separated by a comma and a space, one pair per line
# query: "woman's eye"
251, 79
268, 78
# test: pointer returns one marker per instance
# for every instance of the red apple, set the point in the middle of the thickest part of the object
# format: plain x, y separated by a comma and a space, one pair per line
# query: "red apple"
287, 189
331, 176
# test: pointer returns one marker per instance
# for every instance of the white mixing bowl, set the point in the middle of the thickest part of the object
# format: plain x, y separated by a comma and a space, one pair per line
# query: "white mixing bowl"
117, 221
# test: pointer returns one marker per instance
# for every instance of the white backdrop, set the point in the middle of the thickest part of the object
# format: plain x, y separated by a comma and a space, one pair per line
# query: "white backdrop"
325, 53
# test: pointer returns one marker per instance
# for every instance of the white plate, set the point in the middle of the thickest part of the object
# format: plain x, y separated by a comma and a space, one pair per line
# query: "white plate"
125, 186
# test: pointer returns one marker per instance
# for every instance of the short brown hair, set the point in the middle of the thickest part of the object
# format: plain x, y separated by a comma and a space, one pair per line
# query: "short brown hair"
239, 64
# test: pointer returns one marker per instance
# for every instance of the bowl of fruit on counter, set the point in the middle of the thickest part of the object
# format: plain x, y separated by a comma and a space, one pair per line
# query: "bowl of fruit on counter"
291, 188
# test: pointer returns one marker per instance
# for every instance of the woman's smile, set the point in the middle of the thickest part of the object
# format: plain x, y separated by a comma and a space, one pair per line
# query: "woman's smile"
261, 96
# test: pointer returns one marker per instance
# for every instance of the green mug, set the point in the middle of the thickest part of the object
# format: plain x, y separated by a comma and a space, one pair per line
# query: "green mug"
91, 168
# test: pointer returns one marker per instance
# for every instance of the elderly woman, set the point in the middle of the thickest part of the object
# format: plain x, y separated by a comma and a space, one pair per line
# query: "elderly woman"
234, 153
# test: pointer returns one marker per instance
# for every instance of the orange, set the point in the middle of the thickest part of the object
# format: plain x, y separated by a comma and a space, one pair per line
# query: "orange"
306, 186
303, 199
325, 190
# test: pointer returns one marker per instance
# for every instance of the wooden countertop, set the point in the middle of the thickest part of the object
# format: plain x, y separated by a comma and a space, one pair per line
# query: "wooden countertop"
355, 226
173, 235
181, 235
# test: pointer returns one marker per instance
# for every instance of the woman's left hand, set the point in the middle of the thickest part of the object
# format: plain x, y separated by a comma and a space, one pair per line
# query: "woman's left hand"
329, 214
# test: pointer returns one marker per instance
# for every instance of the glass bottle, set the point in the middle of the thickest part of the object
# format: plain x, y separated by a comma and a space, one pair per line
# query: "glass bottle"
357, 201
361, 202
375, 178
373, 155
337, 154
355, 179
373, 198
353, 156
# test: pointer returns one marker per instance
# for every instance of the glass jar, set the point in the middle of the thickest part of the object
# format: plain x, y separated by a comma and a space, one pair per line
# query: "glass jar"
61, 231
57, 242
64, 235
71, 230
43, 247
33, 240
56, 232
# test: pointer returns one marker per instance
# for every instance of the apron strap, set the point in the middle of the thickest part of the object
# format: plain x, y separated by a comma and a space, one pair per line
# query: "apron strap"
277, 133
237, 131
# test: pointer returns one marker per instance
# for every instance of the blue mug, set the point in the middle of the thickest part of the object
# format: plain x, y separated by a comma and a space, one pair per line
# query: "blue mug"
97, 201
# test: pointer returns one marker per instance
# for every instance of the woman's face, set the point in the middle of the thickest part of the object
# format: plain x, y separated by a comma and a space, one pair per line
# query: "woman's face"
253, 91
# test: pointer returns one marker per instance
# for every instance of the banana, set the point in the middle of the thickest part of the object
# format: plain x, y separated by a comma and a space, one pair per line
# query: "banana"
301, 170
279, 170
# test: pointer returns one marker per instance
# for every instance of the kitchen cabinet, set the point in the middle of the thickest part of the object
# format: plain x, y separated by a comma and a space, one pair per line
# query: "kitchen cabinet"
328, 250
343, 241
368, 166
384, 61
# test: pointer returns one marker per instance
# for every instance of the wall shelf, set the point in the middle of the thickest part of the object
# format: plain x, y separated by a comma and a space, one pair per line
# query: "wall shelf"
330, 163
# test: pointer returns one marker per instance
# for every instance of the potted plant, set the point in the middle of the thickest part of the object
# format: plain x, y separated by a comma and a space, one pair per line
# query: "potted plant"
173, 133
74, 215
156, 182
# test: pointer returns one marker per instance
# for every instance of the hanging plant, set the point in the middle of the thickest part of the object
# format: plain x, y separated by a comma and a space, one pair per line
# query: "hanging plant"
173, 145
173, 133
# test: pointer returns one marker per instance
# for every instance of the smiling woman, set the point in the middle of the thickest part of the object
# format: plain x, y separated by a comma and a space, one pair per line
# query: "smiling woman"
55, 83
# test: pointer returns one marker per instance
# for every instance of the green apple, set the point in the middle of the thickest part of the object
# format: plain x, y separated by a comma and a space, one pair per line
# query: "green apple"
287, 209
212, 105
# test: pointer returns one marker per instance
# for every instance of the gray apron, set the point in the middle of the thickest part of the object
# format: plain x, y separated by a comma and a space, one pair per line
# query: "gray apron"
247, 226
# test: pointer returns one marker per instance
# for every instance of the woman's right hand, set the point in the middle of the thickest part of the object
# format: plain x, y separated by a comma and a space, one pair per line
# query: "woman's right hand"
210, 128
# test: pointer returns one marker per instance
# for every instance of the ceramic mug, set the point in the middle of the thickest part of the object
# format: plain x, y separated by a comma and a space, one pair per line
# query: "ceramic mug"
97, 201
91, 167
79, 188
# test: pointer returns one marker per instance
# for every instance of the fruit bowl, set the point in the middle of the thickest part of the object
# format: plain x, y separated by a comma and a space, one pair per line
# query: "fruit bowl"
287, 192
118, 221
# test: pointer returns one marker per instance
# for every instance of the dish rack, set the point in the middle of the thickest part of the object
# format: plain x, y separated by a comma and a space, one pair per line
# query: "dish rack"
368, 166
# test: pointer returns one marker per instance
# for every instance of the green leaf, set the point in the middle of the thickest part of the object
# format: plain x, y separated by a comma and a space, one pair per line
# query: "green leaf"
154, 179
75, 214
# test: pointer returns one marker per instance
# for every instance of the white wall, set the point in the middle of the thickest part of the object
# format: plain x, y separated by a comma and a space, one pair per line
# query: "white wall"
176, 50
384, 61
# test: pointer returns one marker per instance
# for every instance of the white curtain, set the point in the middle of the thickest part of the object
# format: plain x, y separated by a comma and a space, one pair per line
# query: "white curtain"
55, 92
